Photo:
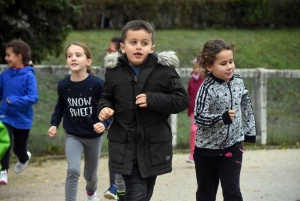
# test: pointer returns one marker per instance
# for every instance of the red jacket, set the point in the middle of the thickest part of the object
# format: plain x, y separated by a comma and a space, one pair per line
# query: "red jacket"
193, 87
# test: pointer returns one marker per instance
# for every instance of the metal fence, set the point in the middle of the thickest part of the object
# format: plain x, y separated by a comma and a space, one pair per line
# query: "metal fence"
275, 97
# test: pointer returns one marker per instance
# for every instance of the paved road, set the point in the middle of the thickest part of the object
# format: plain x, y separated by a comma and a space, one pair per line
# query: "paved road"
267, 175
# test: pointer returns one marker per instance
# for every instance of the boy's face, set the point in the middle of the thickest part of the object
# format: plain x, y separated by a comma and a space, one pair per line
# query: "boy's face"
137, 46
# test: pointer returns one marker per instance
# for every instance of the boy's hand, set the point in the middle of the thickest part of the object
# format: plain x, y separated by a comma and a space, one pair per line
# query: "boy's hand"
141, 100
105, 113
231, 114
99, 127
52, 131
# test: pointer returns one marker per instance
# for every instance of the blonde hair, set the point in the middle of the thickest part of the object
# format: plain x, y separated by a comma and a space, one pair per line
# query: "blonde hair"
87, 53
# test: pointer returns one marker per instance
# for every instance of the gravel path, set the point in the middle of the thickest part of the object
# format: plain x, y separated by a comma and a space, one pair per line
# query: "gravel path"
267, 175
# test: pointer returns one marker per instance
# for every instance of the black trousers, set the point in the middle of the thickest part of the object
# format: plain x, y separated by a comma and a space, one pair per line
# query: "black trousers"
211, 169
138, 188
19, 143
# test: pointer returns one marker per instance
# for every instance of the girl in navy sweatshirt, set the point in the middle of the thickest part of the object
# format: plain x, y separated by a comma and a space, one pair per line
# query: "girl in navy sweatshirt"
78, 96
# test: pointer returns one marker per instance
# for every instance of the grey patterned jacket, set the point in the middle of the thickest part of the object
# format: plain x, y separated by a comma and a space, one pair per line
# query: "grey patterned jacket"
215, 128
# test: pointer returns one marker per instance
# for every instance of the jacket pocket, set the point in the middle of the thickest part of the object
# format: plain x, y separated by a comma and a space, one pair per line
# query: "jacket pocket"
161, 148
116, 146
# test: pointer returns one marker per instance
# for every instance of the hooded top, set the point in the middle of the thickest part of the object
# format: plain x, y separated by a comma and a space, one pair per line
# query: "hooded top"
19, 86
139, 134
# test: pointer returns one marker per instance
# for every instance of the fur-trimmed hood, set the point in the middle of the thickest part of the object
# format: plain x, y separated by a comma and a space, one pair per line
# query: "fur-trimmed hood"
165, 58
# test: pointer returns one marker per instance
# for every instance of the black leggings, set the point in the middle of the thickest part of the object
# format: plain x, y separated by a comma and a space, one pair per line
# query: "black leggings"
19, 143
227, 169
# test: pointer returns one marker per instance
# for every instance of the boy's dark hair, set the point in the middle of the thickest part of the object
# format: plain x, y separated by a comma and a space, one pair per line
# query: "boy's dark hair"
117, 40
22, 48
136, 25
209, 52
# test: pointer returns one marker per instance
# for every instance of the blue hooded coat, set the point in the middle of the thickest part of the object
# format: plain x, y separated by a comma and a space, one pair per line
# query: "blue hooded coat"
19, 86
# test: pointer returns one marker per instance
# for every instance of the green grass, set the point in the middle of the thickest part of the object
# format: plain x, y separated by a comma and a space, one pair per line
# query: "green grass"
278, 49
271, 49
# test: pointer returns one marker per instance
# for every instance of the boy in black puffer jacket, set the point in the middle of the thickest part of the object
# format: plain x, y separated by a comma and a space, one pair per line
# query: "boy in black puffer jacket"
141, 90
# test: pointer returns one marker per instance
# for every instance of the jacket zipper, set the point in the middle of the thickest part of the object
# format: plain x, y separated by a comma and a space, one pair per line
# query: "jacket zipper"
228, 127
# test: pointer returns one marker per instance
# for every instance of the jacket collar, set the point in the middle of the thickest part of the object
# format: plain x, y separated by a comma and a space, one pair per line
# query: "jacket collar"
218, 79
165, 58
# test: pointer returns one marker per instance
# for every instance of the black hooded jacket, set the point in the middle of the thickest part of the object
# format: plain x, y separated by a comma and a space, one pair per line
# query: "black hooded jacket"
138, 134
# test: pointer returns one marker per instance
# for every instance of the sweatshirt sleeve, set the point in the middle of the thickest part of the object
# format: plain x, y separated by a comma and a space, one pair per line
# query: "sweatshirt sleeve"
107, 97
58, 109
248, 118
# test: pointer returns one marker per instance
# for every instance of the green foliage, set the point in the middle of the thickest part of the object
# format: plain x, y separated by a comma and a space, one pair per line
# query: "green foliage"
181, 14
43, 24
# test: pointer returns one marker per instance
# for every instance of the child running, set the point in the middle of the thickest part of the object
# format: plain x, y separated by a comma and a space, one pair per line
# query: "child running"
141, 90
78, 96
18, 93
224, 117
193, 86
116, 190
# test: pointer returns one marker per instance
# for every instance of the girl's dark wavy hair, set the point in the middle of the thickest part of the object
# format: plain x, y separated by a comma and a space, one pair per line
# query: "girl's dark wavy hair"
207, 55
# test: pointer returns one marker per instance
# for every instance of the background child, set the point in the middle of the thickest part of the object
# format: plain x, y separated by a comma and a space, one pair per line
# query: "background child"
18, 93
116, 189
193, 86
141, 90
78, 95
4, 143
224, 117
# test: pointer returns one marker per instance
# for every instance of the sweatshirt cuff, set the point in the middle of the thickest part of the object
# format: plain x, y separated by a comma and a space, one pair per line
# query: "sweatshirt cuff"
226, 118
250, 139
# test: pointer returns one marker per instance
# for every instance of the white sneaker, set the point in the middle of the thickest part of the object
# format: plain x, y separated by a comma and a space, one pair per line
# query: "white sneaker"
20, 167
3, 177
92, 197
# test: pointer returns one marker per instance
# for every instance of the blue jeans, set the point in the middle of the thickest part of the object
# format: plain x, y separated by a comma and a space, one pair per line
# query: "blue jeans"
138, 188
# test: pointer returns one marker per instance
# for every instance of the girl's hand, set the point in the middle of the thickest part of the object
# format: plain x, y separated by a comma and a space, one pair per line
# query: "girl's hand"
141, 100
7, 100
99, 127
231, 114
52, 131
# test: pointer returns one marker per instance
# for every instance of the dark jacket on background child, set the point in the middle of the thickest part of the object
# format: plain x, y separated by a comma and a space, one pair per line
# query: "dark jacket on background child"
137, 134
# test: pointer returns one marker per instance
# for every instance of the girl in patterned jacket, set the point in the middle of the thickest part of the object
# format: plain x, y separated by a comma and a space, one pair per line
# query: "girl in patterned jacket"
224, 117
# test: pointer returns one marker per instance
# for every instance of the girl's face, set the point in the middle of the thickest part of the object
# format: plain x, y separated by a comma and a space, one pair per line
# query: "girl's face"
13, 60
223, 65
196, 69
77, 60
